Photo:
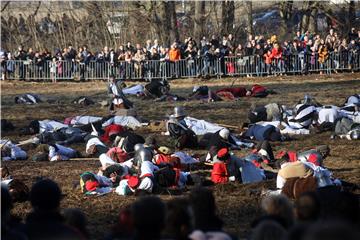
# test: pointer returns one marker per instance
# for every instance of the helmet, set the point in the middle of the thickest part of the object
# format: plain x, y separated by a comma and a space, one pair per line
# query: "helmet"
143, 154
179, 112
138, 146
355, 134
224, 133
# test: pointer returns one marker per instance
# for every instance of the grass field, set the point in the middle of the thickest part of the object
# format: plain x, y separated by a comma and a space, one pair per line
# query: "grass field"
237, 204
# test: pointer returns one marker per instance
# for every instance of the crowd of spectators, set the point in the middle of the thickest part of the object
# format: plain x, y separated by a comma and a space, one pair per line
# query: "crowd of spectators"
325, 214
258, 56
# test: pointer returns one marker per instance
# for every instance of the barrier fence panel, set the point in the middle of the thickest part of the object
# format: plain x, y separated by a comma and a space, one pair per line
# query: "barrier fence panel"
187, 68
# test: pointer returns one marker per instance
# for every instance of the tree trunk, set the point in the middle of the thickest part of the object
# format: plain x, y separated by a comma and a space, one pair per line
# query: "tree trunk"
351, 15
286, 9
165, 17
313, 18
249, 19
306, 17
199, 20
227, 16
174, 25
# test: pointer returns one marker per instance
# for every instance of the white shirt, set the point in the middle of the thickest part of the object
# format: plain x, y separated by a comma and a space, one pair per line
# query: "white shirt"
328, 115
148, 167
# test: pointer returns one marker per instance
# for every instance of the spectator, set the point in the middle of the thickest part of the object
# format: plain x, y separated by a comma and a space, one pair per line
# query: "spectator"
45, 221
268, 230
307, 207
280, 206
75, 218
178, 224
148, 214
203, 205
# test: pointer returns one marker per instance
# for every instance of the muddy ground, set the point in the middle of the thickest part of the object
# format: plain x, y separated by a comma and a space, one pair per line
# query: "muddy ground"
237, 204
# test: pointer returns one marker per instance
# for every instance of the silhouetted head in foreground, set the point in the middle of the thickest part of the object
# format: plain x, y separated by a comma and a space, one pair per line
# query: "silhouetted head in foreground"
45, 195
148, 214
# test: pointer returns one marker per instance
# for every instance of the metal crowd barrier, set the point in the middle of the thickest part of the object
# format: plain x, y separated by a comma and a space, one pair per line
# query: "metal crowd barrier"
150, 69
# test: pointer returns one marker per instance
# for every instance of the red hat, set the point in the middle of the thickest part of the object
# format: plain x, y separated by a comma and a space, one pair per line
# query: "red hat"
91, 185
133, 181
223, 154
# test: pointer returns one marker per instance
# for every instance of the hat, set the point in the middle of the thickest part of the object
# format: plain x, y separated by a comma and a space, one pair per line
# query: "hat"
223, 154
91, 185
179, 112
164, 150
133, 182
224, 133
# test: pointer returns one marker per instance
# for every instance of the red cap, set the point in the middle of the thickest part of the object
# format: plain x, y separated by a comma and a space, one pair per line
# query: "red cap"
223, 153
133, 181
91, 185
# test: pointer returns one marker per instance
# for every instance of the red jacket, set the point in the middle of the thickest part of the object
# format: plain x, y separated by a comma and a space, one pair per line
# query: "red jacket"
256, 89
219, 173
112, 128
236, 91
276, 53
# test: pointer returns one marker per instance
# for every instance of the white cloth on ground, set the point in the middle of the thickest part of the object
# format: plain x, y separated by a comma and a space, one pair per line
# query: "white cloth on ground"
83, 120
128, 121
133, 90
201, 127
185, 158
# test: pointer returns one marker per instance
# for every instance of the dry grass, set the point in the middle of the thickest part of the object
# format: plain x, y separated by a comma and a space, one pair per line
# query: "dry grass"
236, 205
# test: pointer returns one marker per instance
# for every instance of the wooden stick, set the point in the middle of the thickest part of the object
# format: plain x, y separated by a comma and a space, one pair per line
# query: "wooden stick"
83, 159
228, 126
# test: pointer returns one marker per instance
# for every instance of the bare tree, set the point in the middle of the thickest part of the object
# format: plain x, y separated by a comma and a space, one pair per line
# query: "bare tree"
227, 15
249, 18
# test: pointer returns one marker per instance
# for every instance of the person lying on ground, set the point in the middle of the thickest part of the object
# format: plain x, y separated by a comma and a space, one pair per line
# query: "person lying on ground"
28, 98
353, 99
227, 94
227, 167
40, 126
54, 152
269, 112
316, 155
10, 151
260, 133
346, 128
179, 131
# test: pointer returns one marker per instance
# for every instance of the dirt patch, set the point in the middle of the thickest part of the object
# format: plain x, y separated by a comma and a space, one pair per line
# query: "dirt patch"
237, 204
